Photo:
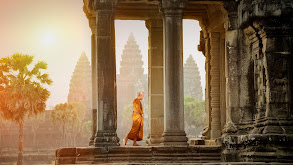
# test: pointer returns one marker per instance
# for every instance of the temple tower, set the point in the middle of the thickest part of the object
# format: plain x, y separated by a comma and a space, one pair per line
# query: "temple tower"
80, 83
131, 79
192, 81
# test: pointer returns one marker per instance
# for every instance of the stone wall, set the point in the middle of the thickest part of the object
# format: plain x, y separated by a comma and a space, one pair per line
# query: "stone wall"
264, 122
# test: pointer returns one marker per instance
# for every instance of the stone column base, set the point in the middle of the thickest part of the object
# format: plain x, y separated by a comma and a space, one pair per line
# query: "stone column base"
154, 140
174, 139
92, 141
106, 138
257, 148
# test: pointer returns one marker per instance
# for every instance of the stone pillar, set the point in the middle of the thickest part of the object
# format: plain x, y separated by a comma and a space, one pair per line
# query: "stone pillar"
106, 66
231, 71
92, 21
174, 133
156, 81
204, 47
271, 54
222, 81
215, 85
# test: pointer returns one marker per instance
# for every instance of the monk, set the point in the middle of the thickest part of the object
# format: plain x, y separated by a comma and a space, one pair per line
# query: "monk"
136, 132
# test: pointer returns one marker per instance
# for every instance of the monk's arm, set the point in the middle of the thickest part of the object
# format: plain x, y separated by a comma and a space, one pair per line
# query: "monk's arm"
137, 109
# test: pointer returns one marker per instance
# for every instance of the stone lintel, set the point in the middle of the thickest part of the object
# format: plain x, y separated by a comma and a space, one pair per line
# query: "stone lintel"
174, 4
104, 5
259, 10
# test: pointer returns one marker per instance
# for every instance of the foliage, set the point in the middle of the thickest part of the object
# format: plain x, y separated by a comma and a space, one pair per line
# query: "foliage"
127, 116
21, 90
4, 122
36, 120
86, 130
194, 115
68, 117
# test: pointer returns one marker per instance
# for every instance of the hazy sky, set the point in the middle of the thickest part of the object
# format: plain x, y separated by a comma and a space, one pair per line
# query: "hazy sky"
57, 32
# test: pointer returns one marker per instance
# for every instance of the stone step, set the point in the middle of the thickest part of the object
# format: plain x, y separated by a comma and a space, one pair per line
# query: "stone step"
145, 154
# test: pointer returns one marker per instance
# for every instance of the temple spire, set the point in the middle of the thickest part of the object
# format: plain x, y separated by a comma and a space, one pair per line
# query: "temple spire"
192, 81
80, 83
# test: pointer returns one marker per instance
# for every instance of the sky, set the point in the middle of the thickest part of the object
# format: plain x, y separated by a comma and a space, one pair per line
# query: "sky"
57, 32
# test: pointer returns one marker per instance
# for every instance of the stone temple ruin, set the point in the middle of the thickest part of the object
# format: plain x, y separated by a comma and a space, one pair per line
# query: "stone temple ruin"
249, 81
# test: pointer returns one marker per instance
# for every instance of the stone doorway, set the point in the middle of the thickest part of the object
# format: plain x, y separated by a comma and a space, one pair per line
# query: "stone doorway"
132, 68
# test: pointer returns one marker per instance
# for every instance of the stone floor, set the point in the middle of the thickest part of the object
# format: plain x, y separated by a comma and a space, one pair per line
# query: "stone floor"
224, 163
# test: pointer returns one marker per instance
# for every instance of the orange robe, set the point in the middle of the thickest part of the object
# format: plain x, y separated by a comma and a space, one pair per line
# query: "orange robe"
137, 126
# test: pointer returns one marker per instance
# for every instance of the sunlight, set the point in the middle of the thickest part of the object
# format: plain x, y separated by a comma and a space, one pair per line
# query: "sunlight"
48, 39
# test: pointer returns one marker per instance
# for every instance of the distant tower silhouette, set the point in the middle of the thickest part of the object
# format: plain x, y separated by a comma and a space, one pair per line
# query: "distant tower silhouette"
131, 79
80, 83
192, 81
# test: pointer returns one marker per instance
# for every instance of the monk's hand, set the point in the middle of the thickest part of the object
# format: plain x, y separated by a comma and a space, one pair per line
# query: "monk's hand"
142, 115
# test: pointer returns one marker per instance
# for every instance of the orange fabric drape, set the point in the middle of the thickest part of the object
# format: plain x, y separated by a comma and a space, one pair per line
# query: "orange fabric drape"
137, 126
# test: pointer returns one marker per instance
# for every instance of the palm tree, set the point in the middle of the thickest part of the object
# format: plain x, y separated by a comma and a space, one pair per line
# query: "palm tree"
21, 91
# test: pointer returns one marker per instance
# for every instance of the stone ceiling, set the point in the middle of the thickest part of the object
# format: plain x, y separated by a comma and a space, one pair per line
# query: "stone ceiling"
145, 9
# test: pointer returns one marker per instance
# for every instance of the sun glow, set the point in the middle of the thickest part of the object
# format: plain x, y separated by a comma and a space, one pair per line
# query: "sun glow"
48, 39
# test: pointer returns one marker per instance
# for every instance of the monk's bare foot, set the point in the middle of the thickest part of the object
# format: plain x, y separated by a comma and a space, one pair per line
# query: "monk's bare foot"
136, 144
125, 141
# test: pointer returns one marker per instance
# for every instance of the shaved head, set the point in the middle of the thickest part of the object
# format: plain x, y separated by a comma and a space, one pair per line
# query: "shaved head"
140, 93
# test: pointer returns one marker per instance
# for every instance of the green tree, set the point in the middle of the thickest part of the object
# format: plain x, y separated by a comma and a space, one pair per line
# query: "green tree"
22, 90
127, 116
68, 117
194, 115
86, 129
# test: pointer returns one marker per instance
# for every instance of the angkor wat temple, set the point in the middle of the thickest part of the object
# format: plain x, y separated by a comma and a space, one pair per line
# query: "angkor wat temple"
249, 78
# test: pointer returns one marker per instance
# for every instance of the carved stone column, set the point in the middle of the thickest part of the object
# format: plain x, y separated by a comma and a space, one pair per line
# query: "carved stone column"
156, 81
106, 66
231, 71
215, 85
174, 133
271, 54
92, 21
232, 82
204, 46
